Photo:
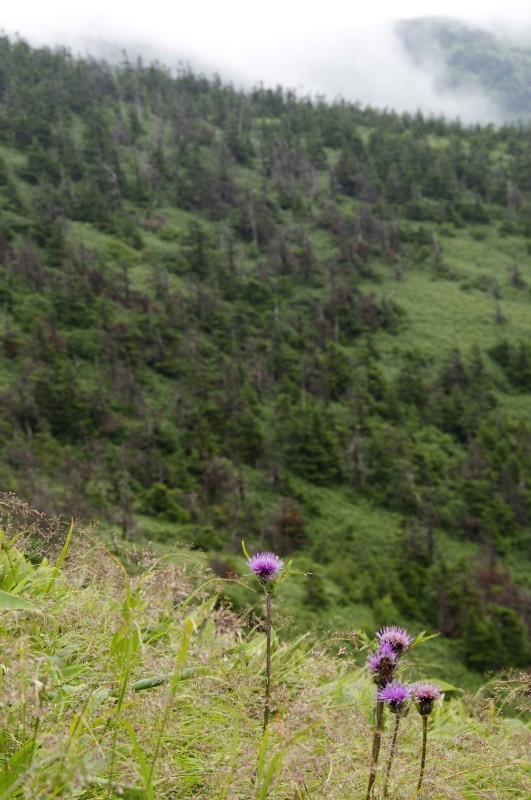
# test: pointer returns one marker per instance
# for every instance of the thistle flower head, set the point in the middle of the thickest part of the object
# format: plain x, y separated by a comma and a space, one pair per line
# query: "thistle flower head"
395, 695
425, 695
382, 664
266, 566
399, 639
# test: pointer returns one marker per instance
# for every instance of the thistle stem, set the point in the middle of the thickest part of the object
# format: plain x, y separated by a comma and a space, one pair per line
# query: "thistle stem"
268, 660
377, 738
391, 754
424, 743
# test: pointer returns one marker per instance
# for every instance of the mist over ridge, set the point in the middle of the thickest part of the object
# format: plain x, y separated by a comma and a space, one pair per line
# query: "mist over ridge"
431, 64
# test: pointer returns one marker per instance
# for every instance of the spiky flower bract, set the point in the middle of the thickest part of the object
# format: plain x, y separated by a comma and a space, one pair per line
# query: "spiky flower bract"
266, 566
383, 664
395, 695
425, 695
399, 639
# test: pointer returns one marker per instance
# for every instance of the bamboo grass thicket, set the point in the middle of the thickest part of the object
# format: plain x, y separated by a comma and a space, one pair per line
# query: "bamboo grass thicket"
118, 744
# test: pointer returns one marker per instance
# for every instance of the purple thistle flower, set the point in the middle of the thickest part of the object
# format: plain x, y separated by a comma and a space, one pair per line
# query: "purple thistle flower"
266, 566
395, 695
399, 639
383, 664
426, 694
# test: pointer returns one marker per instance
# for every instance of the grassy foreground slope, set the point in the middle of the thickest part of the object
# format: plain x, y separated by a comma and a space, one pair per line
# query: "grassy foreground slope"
137, 683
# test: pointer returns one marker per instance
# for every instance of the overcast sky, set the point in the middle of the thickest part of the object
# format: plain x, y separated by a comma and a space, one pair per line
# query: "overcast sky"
334, 47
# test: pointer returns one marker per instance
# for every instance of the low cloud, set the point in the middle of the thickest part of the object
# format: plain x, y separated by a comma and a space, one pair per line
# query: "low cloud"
366, 64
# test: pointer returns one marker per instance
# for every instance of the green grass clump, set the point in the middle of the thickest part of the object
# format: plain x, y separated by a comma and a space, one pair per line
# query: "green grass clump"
126, 676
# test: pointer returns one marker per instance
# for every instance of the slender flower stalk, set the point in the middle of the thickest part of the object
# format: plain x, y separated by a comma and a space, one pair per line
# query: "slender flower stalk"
376, 741
382, 665
424, 748
267, 701
267, 567
391, 755
425, 696
396, 696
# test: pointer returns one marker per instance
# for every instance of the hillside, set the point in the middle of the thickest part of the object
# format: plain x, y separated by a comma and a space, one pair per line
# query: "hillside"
254, 316
139, 684
465, 58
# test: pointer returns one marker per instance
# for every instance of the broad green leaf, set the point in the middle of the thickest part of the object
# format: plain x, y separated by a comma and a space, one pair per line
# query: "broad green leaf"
12, 602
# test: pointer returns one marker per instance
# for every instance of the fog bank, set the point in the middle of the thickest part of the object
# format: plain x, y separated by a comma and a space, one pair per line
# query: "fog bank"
344, 52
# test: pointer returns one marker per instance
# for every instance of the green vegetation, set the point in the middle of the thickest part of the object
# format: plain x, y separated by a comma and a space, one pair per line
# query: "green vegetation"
233, 316
122, 675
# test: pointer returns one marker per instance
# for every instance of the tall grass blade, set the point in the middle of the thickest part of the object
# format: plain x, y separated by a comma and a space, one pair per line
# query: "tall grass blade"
62, 555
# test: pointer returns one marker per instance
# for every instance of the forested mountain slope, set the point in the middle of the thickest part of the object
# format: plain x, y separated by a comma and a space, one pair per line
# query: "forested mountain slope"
258, 316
